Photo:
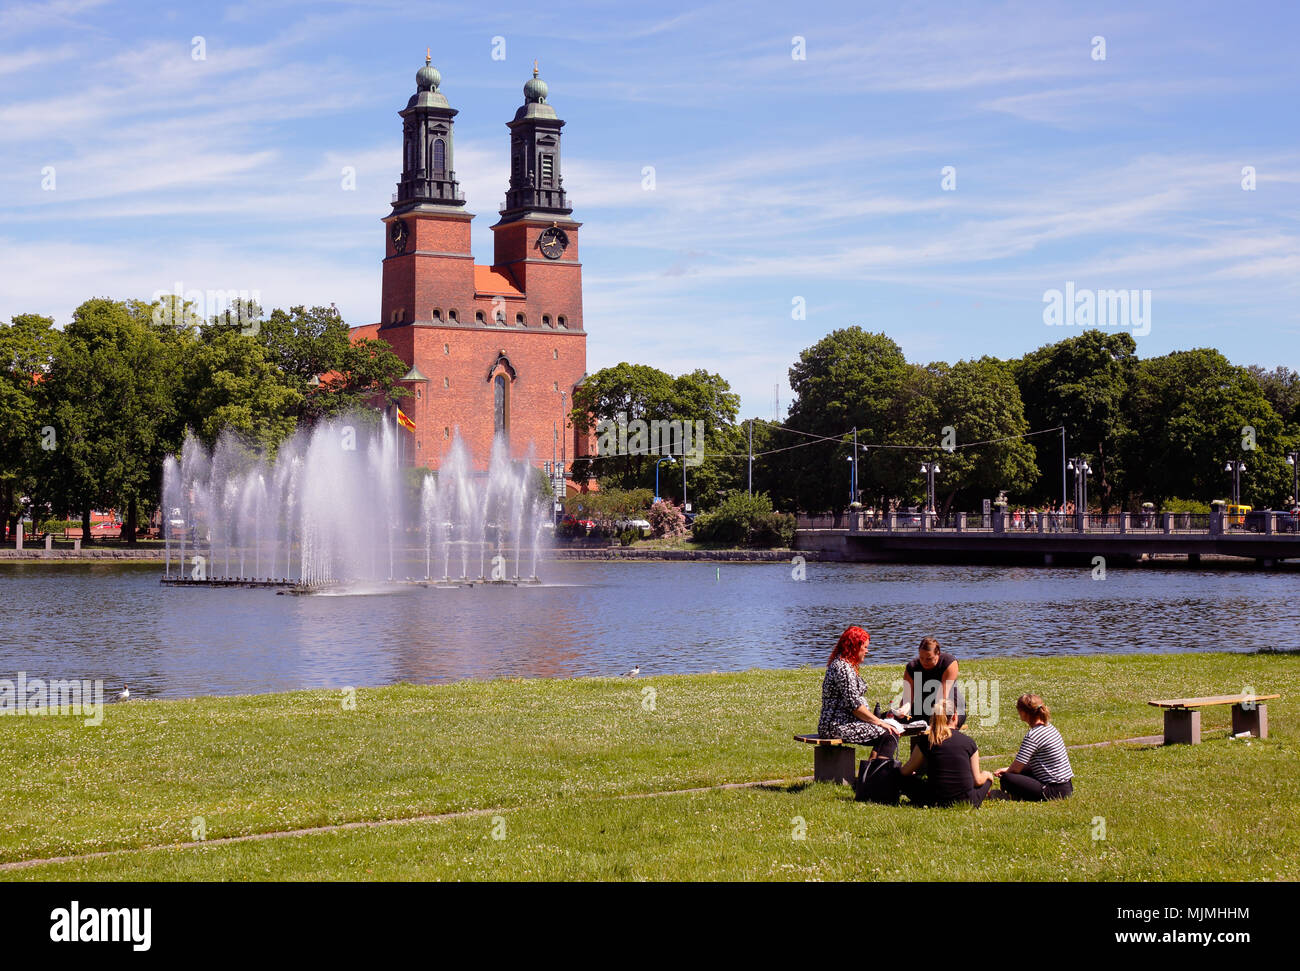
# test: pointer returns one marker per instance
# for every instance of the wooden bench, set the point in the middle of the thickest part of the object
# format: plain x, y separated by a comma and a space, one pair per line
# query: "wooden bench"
1183, 716
833, 761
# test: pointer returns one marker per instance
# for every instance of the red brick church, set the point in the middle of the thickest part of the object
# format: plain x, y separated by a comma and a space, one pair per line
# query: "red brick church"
495, 348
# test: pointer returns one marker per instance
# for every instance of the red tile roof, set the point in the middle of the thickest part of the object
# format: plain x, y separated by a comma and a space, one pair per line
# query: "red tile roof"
490, 279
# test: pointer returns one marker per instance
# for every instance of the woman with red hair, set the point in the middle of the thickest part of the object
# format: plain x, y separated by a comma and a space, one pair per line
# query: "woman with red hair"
844, 705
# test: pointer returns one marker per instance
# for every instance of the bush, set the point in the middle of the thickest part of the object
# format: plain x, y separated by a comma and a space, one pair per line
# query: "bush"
745, 520
629, 536
666, 520
58, 525
1184, 505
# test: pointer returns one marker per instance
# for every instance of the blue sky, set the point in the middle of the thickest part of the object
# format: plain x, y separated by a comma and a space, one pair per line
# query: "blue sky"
776, 177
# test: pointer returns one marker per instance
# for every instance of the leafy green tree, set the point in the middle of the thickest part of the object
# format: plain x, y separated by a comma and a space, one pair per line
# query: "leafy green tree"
1281, 387
330, 374
112, 391
1081, 383
27, 345
612, 403
980, 401
231, 383
849, 379
1191, 412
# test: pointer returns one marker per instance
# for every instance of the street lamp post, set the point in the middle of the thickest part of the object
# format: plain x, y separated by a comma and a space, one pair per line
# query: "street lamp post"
1080, 467
853, 478
1293, 460
929, 470
667, 458
564, 435
1236, 467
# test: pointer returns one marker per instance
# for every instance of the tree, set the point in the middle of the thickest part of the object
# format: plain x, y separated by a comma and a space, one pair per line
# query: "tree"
1080, 383
849, 379
329, 373
1191, 412
231, 383
979, 400
112, 389
1281, 387
27, 345
640, 414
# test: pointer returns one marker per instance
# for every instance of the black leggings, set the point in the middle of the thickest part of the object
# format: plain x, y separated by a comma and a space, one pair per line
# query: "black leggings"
921, 793
885, 746
1026, 788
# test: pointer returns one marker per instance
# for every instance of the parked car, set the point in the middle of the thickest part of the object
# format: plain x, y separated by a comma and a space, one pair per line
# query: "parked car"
909, 517
1253, 521
572, 522
639, 524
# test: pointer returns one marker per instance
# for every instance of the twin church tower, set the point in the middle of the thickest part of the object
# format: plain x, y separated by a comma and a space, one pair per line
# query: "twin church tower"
491, 349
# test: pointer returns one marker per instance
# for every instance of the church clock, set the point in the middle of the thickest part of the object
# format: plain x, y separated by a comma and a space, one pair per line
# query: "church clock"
552, 243
399, 232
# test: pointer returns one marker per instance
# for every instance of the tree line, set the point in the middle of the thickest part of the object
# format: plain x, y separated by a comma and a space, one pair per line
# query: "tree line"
88, 413
1156, 429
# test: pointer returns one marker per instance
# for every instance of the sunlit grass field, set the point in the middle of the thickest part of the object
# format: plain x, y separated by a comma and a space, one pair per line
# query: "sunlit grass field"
544, 766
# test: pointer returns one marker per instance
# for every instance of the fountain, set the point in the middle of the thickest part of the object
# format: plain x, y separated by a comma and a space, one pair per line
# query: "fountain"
330, 513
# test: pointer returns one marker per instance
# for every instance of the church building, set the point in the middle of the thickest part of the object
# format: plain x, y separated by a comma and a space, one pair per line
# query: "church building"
492, 349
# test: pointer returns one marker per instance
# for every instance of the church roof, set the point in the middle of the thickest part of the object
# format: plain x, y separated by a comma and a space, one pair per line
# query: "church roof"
491, 279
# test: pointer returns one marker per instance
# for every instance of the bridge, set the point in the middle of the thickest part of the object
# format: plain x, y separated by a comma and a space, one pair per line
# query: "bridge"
1266, 537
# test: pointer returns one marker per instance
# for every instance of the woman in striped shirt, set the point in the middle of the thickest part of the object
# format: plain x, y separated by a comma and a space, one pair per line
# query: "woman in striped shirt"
1042, 766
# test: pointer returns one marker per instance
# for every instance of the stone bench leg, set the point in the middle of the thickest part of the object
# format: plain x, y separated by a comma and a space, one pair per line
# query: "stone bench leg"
833, 763
1182, 726
1253, 720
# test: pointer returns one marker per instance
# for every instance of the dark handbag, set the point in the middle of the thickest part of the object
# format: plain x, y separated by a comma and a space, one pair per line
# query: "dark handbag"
880, 781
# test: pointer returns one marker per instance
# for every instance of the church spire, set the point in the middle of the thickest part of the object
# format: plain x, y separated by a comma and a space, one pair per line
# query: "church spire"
428, 172
536, 182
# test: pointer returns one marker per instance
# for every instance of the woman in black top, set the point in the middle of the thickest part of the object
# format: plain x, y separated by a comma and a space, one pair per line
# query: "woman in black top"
929, 676
951, 761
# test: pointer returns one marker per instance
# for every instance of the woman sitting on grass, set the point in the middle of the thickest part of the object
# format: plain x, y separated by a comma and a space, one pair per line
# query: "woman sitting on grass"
1042, 766
844, 706
951, 761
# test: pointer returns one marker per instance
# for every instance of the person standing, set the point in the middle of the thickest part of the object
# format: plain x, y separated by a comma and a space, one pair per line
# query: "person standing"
1042, 767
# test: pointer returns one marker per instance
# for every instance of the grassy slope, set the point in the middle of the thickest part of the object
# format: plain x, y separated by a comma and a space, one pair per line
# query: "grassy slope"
550, 753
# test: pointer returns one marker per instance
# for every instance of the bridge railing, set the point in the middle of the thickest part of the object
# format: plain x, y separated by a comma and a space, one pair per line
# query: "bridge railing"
1267, 522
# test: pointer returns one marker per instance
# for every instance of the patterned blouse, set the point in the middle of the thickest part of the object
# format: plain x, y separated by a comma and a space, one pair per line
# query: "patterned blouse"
842, 692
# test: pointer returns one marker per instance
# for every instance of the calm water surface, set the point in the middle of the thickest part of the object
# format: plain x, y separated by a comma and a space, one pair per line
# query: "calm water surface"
116, 622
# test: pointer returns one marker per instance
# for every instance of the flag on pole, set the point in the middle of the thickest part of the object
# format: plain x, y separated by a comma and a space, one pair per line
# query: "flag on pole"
404, 421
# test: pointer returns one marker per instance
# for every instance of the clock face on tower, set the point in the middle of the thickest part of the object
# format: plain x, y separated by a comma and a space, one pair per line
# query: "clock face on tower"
399, 233
552, 243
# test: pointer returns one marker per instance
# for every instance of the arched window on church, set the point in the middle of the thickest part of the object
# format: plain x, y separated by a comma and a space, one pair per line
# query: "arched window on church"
501, 405
439, 158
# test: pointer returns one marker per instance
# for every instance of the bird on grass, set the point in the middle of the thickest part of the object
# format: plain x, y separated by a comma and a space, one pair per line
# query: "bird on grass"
633, 673
124, 694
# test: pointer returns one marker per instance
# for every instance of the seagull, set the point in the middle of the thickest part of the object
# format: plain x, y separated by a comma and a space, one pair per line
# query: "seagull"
124, 694
633, 673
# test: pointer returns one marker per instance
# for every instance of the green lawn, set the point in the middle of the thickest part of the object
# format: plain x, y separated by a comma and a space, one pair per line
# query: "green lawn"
550, 758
